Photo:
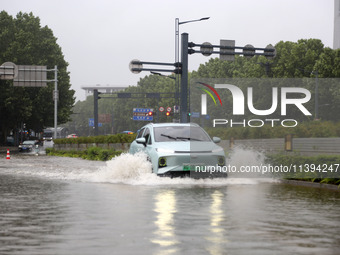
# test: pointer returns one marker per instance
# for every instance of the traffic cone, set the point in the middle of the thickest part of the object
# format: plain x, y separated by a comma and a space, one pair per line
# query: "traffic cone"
8, 155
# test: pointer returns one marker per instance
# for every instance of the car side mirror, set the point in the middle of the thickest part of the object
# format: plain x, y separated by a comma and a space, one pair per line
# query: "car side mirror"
216, 139
141, 140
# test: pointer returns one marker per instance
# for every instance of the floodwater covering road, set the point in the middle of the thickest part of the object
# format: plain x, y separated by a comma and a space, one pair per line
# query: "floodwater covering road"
53, 205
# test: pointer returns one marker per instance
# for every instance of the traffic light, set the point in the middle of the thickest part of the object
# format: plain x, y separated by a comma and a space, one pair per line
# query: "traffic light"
150, 113
168, 113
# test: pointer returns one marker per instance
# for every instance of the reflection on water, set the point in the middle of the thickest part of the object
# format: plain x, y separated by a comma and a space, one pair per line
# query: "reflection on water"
184, 224
217, 235
165, 206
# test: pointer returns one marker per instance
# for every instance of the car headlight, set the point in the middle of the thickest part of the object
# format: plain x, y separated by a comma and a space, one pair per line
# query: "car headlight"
162, 162
163, 150
221, 161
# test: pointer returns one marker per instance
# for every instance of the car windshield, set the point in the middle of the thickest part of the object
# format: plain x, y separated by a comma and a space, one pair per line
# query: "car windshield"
28, 142
180, 133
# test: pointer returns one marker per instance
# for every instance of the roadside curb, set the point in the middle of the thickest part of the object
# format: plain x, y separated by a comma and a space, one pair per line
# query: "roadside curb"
312, 184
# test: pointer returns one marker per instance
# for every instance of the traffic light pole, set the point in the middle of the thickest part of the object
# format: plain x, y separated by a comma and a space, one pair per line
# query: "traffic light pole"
184, 79
226, 49
95, 111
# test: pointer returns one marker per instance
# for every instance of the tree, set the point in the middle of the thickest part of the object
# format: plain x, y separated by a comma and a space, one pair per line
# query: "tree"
24, 42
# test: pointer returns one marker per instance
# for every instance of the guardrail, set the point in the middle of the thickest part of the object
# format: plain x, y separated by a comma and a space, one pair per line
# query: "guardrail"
303, 146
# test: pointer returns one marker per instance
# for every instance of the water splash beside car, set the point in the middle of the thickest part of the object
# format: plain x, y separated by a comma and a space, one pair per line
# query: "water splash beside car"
126, 169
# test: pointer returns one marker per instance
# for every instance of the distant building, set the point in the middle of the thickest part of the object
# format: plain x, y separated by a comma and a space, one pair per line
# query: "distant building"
102, 89
336, 34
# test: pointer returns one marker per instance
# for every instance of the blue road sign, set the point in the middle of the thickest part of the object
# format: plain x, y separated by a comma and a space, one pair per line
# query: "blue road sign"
91, 123
195, 115
145, 118
142, 114
146, 110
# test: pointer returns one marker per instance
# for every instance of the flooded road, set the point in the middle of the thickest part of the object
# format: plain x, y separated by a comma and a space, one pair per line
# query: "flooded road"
53, 205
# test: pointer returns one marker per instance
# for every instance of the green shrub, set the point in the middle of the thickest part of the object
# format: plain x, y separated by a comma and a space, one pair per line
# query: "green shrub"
118, 138
93, 153
100, 139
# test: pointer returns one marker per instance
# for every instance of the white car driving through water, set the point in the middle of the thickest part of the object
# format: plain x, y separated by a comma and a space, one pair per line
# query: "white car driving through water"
180, 150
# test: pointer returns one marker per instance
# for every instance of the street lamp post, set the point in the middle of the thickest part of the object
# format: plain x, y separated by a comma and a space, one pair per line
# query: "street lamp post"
177, 63
56, 97
177, 23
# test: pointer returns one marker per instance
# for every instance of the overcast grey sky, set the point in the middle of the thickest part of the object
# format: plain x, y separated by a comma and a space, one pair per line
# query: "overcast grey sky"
99, 38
